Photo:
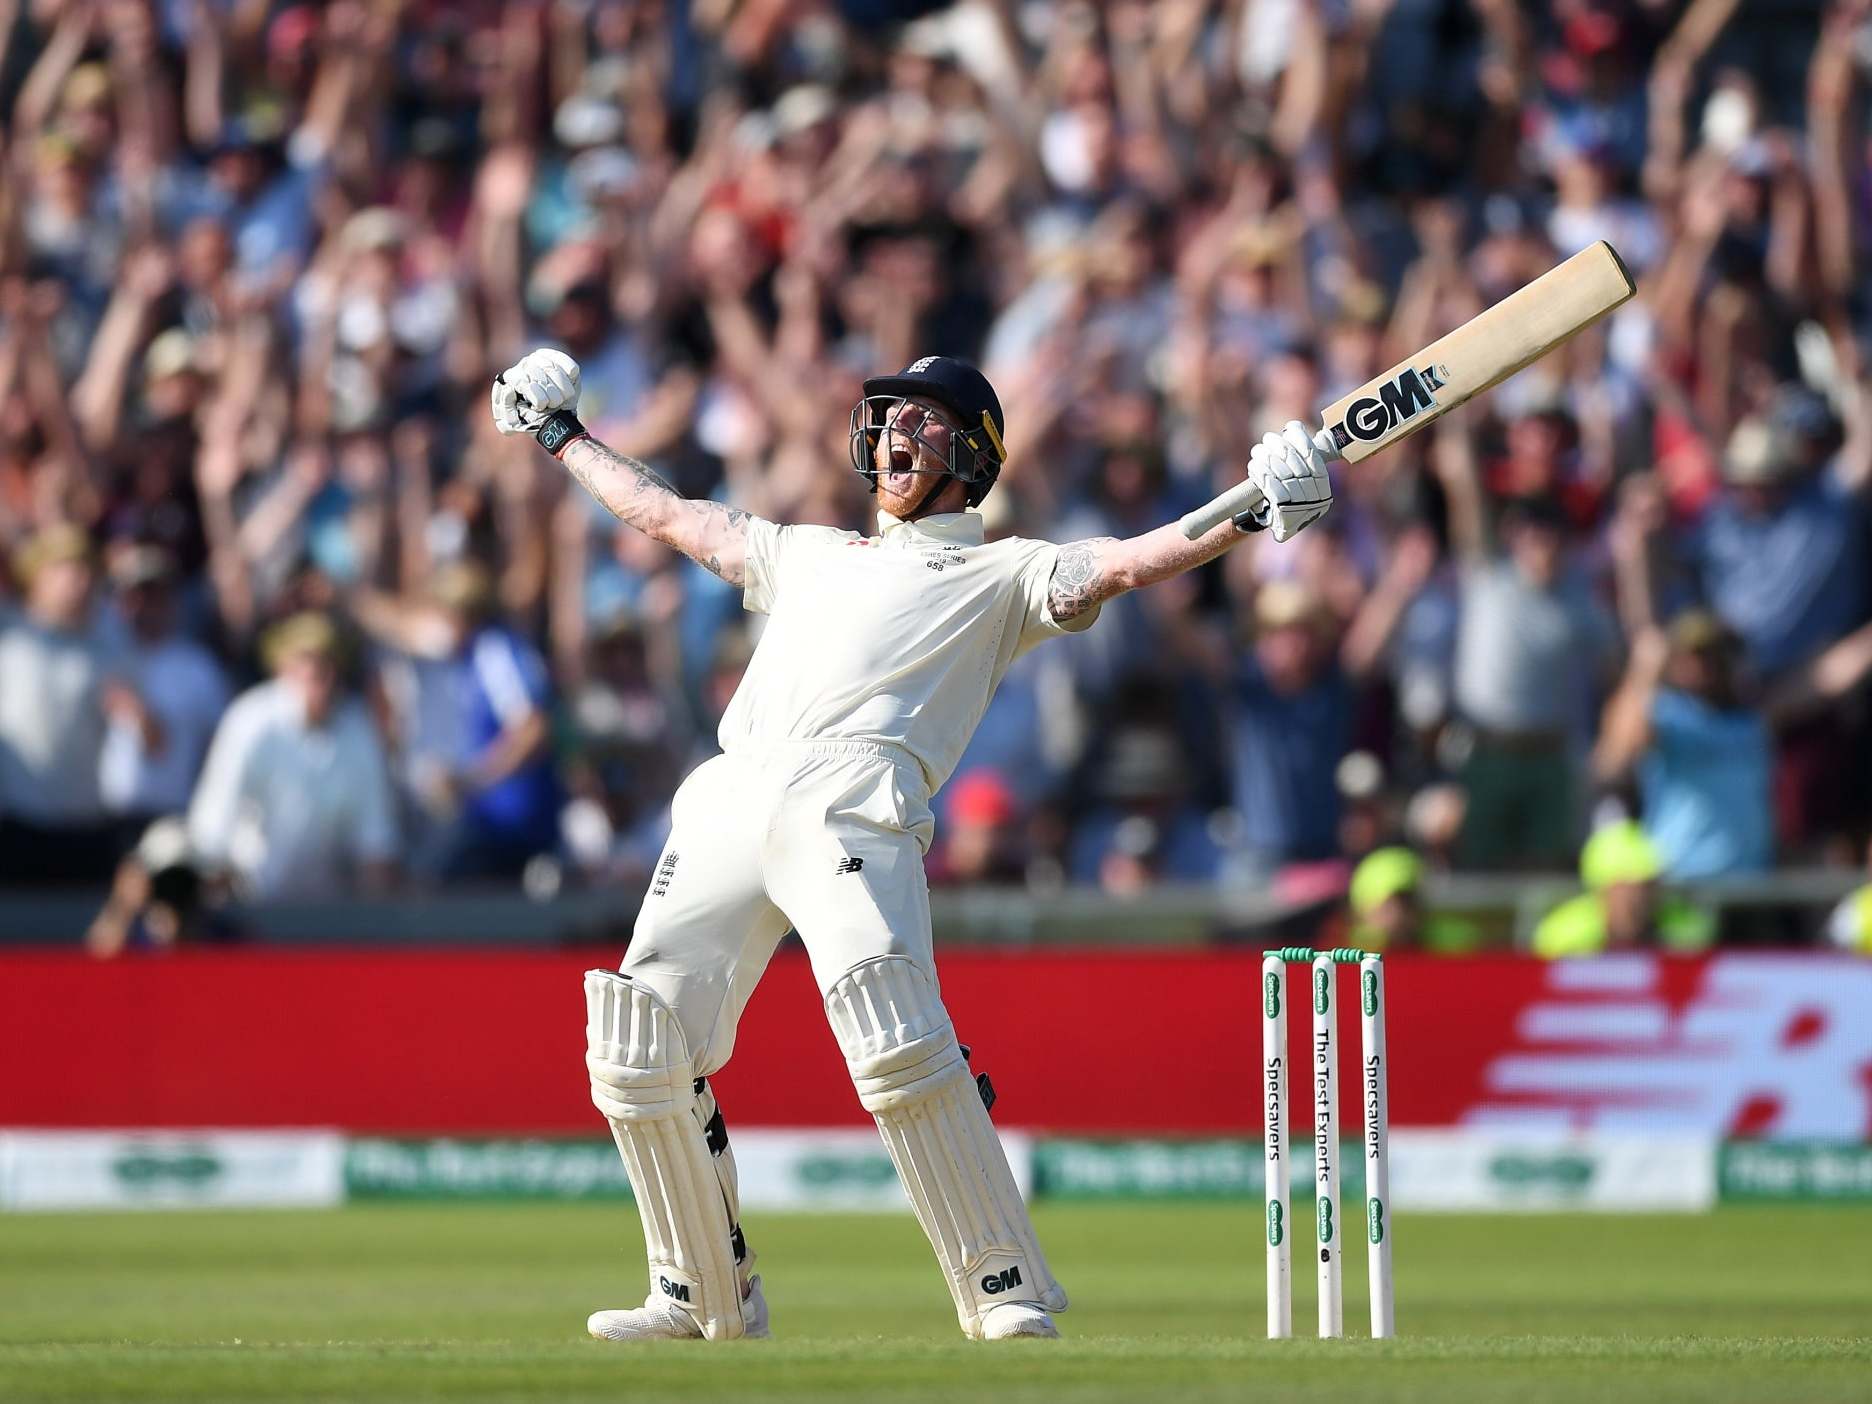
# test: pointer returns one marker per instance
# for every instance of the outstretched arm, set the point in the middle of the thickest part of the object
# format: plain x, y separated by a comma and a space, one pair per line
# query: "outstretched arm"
539, 396
1089, 572
1288, 468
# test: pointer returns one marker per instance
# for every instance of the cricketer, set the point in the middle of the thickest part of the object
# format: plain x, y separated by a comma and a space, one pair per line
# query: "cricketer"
878, 658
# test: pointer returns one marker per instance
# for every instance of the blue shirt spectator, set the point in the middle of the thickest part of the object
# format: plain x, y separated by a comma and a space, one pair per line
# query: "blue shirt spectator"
1701, 754
1291, 721
262, 190
501, 684
488, 782
1784, 563
1705, 787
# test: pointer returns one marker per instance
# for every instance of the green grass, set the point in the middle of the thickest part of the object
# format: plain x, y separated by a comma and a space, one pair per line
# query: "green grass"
488, 1303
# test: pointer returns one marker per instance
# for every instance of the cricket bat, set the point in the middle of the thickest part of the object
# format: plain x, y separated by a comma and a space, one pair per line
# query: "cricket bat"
1484, 351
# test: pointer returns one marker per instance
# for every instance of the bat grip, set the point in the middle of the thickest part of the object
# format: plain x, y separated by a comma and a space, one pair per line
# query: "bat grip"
1245, 496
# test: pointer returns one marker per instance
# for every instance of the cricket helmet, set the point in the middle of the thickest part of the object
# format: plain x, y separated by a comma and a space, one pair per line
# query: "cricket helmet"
975, 451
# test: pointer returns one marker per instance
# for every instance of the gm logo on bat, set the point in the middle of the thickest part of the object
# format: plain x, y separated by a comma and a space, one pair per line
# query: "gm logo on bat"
1406, 395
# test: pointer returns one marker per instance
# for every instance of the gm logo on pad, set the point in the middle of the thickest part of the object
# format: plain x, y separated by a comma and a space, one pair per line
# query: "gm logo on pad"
997, 1282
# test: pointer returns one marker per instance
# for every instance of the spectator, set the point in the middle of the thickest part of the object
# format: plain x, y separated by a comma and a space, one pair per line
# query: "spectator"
1622, 906
1702, 754
264, 193
1386, 898
1783, 548
980, 840
61, 688
1823, 791
1532, 646
1291, 712
1140, 825
1818, 777
145, 775
295, 798
628, 741
1291, 709
1850, 926
159, 899
258, 264
494, 790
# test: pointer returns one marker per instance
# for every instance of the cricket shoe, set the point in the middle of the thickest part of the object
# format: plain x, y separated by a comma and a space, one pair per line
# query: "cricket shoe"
659, 1321
1006, 1320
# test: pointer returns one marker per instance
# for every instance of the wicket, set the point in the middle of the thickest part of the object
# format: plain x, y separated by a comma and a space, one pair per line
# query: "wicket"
1324, 1085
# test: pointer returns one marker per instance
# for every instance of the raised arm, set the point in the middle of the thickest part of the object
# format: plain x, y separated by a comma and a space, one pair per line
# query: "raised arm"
1287, 467
539, 396
1625, 730
710, 534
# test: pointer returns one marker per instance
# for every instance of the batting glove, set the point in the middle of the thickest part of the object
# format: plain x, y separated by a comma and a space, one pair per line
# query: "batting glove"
532, 389
1290, 470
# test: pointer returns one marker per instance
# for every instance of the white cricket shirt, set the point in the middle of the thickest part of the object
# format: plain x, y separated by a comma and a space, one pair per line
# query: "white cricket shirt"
898, 638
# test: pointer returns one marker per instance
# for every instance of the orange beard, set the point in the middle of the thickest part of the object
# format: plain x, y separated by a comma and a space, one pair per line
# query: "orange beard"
900, 492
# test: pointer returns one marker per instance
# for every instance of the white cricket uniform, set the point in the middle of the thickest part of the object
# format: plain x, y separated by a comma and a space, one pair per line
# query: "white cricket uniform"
877, 662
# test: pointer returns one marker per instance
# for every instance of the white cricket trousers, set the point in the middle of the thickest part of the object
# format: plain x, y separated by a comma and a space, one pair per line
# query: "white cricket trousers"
826, 837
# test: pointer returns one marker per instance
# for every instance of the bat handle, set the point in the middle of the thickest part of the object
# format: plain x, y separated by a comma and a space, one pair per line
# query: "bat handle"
1243, 497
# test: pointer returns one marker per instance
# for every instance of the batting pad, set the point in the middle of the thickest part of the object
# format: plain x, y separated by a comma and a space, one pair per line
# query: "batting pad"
642, 1080
910, 1074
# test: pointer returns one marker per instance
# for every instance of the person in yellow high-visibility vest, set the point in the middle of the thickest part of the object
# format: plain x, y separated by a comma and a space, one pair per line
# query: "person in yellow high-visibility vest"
1622, 907
1851, 923
1388, 912
1850, 926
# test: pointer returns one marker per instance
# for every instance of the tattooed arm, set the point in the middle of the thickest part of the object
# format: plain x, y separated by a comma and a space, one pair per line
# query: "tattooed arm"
1089, 572
708, 533
539, 395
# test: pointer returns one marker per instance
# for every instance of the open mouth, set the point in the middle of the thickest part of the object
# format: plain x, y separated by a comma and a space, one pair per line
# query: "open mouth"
902, 462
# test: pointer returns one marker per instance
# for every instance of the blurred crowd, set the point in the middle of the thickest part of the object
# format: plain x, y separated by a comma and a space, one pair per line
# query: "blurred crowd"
276, 583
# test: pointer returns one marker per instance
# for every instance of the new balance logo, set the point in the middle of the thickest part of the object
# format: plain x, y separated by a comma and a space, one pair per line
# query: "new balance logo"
997, 1282
675, 1291
849, 865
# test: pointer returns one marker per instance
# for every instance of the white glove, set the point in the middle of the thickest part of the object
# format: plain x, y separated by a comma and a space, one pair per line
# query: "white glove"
1290, 470
532, 388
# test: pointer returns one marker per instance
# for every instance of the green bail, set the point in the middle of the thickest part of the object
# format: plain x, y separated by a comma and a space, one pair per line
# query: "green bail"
1340, 955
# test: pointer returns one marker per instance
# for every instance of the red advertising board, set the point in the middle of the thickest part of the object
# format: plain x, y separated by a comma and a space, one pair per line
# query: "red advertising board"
1089, 1042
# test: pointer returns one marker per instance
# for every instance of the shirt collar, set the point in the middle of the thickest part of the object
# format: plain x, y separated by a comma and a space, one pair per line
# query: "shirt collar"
953, 528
